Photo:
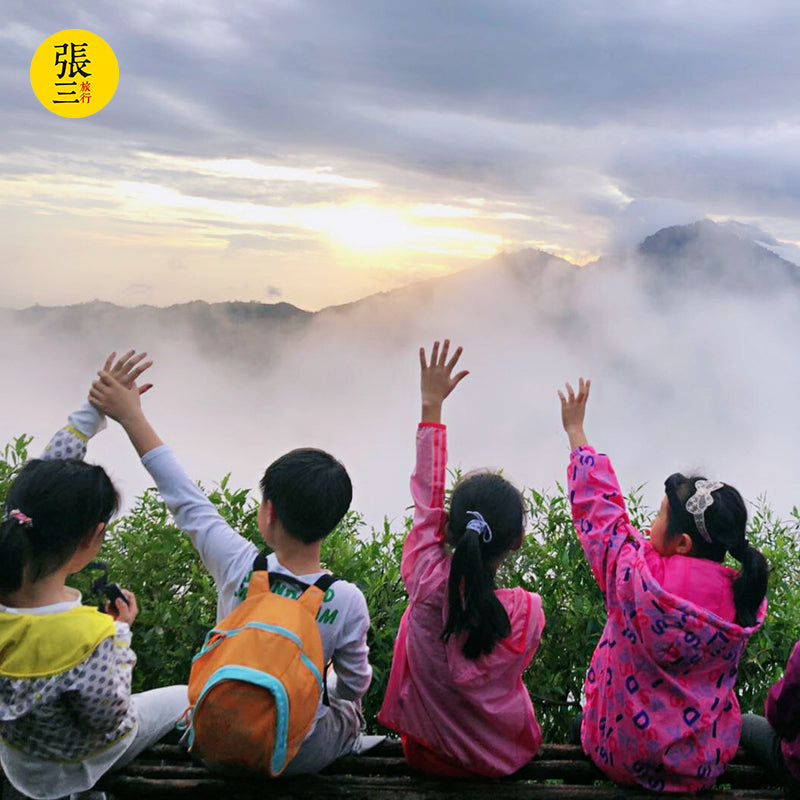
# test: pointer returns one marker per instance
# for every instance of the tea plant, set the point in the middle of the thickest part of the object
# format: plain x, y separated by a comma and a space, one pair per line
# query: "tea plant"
145, 552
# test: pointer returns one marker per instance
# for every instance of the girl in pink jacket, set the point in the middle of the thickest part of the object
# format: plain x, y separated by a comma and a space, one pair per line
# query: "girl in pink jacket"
455, 691
660, 706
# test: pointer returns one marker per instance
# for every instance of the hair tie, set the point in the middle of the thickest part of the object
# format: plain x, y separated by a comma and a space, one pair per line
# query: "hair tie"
702, 499
480, 526
22, 519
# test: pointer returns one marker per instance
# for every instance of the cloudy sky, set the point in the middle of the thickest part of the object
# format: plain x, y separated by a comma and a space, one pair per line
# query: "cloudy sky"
316, 152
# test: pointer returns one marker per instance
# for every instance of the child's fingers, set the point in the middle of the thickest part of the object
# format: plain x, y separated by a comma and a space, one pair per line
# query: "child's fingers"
132, 362
434, 352
123, 359
461, 375
570, 393
445, 349
146, 388
422, 362
132, 605
137, 371
454, 360
109, 361
561, 396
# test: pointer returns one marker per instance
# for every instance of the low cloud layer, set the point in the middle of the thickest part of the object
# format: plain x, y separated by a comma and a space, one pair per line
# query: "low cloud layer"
685, 377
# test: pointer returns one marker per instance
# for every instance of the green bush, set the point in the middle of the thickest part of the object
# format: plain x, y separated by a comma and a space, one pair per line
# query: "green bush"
178, 602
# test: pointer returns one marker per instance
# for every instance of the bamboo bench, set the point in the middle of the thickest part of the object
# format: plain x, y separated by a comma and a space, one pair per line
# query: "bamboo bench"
557, 772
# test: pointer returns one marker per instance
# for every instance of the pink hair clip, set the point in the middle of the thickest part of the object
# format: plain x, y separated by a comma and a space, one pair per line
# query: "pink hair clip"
23, 519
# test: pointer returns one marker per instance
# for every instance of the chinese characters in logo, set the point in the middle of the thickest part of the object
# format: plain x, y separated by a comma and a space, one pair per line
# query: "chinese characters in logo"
73, 58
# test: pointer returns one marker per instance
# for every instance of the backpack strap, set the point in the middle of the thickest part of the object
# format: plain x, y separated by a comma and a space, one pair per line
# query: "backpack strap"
323, 583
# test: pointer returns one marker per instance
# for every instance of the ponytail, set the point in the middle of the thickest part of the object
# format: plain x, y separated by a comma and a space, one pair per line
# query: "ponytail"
725, 522
51, 507
750, 587
487, 517
14, 554
473, 607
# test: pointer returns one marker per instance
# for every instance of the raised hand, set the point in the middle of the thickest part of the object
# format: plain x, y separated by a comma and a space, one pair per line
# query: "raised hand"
128, 368
573, 411
437, 379
114, 399
125, 406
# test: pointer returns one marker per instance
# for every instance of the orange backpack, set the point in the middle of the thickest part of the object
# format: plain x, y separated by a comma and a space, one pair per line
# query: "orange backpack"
255, 685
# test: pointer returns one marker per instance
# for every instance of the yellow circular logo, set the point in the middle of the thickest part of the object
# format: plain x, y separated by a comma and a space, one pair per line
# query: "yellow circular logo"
74, 73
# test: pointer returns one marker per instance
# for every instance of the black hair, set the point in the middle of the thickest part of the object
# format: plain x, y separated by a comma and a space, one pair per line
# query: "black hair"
473, 607
725, 522
61, 502
310, 492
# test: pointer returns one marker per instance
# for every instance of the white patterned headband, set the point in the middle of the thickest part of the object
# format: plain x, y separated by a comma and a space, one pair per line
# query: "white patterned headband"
702, 499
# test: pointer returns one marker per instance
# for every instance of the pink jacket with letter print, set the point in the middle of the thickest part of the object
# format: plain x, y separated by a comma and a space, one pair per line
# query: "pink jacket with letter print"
476, 713
783, 711
660, 709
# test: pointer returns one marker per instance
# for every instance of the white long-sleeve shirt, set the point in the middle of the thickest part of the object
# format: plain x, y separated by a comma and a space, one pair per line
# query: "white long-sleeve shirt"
343, 618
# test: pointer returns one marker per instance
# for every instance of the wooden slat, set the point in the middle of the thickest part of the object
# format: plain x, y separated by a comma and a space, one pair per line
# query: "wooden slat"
558, 772
349, 788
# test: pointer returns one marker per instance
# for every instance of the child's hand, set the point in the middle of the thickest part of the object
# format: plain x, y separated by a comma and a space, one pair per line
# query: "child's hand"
573, 411
122, 611
114, 399
128, 368
124, 405
436, 380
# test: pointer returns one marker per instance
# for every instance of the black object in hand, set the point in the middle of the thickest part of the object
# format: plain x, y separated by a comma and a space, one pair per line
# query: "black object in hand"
113, 593
109, 592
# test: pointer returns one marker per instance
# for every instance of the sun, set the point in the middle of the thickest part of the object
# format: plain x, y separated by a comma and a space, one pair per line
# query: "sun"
361, 227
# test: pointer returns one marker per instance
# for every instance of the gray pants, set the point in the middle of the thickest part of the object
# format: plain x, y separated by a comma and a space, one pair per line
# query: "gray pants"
759, 737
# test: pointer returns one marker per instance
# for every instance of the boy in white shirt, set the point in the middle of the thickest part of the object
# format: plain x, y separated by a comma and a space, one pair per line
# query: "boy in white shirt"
306, 492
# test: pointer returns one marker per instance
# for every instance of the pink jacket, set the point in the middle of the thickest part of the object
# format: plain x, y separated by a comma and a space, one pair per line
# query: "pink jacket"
660, 704
475, 712
783, 711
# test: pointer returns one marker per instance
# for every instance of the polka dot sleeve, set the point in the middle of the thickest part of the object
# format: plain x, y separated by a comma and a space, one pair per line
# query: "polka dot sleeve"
71, 440
101, 686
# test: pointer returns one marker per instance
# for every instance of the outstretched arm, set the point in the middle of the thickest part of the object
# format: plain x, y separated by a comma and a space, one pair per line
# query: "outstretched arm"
573, 411
71, 440
437, 379
424, 547
598, 508
226, 554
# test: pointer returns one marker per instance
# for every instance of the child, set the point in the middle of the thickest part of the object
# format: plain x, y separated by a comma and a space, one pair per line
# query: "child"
660, 705
776, 739
67, 715
305, 494
455, 691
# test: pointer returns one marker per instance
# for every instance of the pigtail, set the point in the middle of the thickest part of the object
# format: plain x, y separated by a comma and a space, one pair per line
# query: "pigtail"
750, 588
724, 523
487, 518
15, 553
473, 607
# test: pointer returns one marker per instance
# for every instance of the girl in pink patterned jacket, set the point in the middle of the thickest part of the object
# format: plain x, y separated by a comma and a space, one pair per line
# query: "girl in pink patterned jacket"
660, 706
455, 691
